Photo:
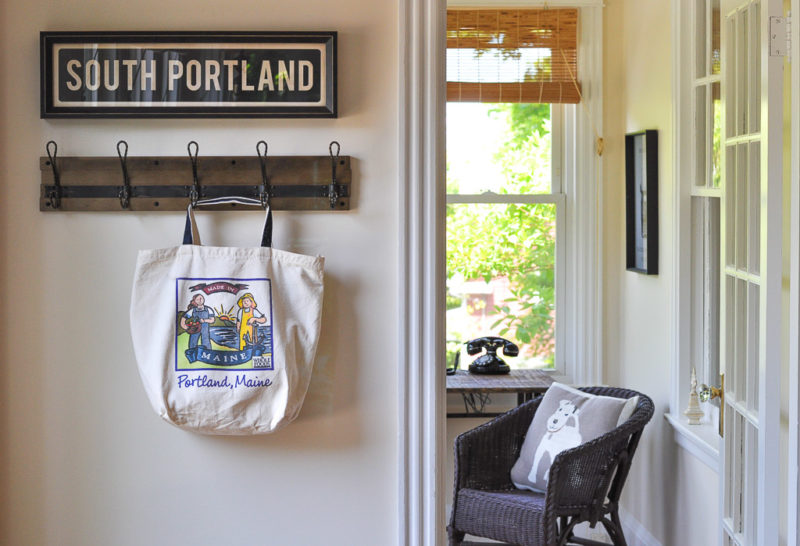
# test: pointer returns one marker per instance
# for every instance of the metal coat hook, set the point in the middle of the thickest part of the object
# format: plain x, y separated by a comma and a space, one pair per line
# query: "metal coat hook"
55, 195
194, 193
125, 190
266, 189
333, 191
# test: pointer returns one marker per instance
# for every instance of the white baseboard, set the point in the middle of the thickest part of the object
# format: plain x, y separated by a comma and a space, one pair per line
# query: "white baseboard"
635, 533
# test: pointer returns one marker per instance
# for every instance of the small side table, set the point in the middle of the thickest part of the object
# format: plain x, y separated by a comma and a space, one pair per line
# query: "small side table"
474, 387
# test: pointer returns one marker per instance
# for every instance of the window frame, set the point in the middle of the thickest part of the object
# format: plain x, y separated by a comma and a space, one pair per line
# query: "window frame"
700, 440
581, 345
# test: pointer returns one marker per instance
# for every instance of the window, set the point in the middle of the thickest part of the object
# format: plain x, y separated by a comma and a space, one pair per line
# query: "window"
509, 73
706, 193
699, 177
504, 195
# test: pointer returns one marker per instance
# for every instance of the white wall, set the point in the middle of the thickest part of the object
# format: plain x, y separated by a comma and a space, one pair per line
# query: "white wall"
85, 461
670, 493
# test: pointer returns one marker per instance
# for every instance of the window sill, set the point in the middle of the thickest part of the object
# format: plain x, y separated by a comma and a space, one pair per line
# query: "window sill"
702, 440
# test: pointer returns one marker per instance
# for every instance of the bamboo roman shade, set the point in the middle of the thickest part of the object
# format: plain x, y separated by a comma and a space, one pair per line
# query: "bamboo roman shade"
512, 55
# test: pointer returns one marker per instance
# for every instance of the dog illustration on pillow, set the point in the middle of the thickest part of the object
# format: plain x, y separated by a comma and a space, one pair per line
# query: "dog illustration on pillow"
560, 436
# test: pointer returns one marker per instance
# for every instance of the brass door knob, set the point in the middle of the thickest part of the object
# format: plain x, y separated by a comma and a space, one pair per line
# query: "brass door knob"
707, 393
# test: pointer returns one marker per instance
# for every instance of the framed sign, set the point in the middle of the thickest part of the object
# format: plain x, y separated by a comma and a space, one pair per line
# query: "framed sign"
188, 74
641, 200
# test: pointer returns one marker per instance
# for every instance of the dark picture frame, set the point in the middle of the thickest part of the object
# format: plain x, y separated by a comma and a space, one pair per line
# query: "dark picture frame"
641, 201
188, 74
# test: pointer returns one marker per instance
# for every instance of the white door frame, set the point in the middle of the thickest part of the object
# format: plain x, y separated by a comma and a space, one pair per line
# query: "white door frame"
422, 275
771, 258
793, 519
423, 487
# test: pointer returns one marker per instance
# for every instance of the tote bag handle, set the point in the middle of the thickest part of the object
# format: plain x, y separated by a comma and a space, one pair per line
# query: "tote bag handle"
191, 235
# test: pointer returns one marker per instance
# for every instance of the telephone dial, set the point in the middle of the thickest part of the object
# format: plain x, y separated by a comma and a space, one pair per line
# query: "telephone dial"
490, 363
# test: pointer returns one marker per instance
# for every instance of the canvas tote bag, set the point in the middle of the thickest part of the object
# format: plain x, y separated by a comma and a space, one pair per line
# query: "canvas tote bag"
225, 337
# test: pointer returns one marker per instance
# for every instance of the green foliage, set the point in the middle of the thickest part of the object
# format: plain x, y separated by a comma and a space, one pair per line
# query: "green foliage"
716, 150
451, 301
515, 242
524, 120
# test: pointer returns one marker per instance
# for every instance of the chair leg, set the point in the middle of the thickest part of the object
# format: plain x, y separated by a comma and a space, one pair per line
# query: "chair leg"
565, 530
455, 537
614, 529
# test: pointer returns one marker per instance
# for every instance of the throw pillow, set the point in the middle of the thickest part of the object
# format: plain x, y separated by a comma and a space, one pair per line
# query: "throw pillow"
566, 418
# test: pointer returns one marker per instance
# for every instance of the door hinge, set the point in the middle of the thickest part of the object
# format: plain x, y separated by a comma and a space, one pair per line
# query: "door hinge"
780, 36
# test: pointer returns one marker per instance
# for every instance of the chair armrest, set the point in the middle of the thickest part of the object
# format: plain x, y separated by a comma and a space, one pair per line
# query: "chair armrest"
484, 455
581, 478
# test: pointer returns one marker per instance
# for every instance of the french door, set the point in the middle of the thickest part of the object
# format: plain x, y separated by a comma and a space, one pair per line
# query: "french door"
750, 241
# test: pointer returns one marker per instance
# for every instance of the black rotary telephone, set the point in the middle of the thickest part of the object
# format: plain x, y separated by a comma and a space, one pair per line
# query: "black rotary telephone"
490, 363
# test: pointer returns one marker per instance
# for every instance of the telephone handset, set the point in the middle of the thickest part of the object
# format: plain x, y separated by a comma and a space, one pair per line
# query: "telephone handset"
456, 360
490, 363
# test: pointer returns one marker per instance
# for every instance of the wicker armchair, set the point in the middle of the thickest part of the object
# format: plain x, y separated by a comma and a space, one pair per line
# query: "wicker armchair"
585, 482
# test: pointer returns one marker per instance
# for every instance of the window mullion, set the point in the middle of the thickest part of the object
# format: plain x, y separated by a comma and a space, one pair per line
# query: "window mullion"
709, 40
500, 198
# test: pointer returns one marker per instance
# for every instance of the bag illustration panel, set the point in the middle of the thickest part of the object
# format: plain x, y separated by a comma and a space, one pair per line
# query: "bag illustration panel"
223, 324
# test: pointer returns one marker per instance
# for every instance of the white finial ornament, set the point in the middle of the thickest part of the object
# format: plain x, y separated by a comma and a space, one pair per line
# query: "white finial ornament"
693, 411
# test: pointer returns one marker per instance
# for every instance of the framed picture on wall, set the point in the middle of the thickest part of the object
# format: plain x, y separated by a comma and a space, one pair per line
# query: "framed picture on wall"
641, 201
188, 74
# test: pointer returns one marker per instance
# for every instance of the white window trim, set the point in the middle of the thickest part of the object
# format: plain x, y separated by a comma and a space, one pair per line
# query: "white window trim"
421, 388
583, 186
682, 124
701, 441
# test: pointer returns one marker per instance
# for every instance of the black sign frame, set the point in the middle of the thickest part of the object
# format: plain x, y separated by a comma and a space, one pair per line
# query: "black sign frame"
321, 86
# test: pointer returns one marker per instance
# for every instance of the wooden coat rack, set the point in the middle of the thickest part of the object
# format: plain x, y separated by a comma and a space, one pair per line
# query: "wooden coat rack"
171, 183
